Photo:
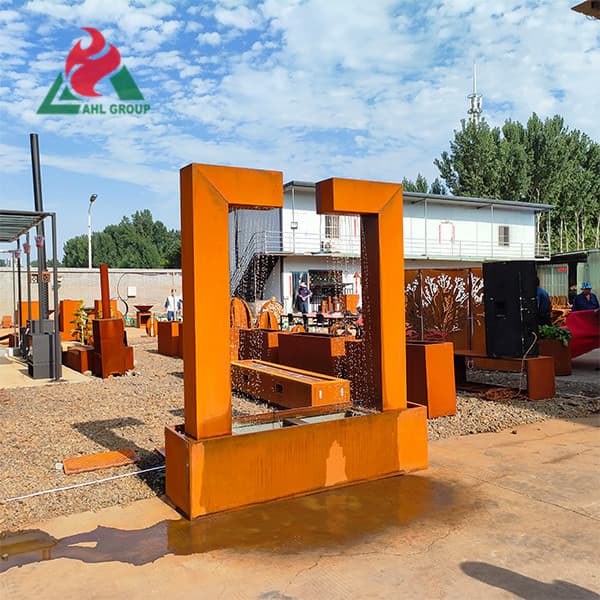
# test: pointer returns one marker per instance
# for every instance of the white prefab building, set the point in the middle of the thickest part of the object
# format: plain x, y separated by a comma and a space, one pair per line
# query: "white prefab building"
272, 251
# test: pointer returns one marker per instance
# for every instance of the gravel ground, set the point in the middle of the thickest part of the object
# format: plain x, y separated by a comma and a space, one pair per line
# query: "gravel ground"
44, 425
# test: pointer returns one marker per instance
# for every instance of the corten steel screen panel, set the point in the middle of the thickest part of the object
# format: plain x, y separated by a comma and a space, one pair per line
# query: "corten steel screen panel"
446, 306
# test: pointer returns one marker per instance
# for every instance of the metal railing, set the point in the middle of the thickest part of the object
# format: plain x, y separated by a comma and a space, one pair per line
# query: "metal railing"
303, 243
468, 249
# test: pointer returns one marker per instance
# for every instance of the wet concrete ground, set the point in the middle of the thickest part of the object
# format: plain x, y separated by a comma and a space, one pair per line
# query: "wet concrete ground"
506, 515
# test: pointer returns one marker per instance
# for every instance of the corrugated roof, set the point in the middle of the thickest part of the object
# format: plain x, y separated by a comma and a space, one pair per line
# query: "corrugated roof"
14, 223
414, 197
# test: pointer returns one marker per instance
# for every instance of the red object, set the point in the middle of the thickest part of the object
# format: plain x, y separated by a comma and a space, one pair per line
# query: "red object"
91, 70
585, 327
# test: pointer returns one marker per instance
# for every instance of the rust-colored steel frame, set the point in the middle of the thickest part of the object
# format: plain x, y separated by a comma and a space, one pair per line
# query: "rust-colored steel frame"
208, 468
208, 193
380, 207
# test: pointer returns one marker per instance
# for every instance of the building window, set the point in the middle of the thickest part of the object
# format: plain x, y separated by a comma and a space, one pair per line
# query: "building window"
503, 235
332, 226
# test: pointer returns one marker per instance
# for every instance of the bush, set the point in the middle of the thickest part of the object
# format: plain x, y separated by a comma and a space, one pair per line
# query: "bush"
551, 332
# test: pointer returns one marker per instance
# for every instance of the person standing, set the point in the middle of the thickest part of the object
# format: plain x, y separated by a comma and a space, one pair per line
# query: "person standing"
544, 306
586, 300
172, 304
302, 300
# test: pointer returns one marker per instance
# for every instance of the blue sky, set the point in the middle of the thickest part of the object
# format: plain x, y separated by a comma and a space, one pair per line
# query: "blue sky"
313, 88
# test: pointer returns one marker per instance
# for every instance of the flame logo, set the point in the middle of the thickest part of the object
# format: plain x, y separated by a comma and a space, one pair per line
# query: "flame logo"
88, 71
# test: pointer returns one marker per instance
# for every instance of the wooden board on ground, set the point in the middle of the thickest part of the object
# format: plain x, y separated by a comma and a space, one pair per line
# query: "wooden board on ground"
103, 460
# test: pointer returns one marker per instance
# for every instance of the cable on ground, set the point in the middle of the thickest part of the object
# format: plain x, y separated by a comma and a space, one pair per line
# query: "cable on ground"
79, 485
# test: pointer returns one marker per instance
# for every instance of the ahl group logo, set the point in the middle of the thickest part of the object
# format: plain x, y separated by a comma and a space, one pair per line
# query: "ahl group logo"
84, 68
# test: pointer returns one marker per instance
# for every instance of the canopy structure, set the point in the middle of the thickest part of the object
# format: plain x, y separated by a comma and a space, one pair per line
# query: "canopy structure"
14, 224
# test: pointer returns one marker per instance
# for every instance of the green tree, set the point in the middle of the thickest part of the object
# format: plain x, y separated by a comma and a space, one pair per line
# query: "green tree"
138, 242
542, 162
173, 255
421, 185
76, 252
471, 166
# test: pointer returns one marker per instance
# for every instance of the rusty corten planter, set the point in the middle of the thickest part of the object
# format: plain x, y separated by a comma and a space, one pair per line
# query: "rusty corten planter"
559, 352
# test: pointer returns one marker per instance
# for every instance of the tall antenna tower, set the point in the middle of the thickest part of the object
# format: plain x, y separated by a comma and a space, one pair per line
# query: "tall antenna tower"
475, 100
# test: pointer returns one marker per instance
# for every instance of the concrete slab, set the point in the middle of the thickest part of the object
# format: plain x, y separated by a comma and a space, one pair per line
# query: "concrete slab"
14, 374
586, 367
508, 515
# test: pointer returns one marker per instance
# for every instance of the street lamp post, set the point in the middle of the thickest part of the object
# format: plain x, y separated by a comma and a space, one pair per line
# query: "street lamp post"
92, 198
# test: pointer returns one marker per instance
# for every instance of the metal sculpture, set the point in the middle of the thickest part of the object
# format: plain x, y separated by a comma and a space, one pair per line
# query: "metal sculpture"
112, 356
207, 468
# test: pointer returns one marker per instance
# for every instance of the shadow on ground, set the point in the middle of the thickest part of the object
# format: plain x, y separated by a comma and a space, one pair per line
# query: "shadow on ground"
526, 587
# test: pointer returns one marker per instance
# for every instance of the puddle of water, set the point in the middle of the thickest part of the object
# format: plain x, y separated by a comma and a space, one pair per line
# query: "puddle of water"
335, 518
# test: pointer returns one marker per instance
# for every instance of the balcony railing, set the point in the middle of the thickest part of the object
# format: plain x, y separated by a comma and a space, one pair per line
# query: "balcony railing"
314, 243
301, 243
468, 249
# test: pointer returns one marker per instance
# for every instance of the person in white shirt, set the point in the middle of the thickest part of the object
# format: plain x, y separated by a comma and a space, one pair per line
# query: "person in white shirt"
173, 305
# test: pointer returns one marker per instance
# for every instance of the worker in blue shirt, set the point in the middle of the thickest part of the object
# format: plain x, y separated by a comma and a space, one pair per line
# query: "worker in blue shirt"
586, 300
544, 307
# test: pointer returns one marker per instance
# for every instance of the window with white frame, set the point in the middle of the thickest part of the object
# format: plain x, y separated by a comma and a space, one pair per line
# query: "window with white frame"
332, 226
503, 235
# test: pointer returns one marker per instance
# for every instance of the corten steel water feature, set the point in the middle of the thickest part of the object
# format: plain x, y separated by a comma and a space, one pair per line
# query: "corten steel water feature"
208, 468
286, 386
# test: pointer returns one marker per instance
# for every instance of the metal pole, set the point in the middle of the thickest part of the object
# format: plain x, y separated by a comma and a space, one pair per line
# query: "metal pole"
17, 313
57, 344
37, 194
92, 199
90, 236
28, 277
425, 219
19, 293
491, 230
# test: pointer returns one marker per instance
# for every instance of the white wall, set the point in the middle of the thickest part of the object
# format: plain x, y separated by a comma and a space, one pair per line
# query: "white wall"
299, 206
467, 231
152, 287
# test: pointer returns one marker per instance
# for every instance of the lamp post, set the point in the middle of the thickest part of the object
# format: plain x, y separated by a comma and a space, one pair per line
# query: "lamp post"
92, 198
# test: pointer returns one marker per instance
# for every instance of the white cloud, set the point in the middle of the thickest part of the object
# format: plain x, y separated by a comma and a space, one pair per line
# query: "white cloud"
12, 159
240, 17
212, 38
149, 20
312, 87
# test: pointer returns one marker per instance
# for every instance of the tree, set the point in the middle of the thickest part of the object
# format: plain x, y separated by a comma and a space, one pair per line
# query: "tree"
541, 162
49, 263
76, 252
421, 185
471, 167
138, 242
